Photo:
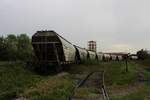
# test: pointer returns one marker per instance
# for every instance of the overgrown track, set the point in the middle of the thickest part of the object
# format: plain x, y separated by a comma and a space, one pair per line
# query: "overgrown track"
92, 87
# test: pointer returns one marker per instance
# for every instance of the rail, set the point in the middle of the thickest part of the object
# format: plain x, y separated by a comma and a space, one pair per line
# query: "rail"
79, 85
102, 88
104, 91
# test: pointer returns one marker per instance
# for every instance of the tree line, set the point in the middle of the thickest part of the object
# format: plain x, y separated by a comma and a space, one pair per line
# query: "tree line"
15, 47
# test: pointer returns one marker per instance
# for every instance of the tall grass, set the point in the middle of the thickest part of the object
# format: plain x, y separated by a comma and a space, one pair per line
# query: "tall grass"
16, 81
14, 78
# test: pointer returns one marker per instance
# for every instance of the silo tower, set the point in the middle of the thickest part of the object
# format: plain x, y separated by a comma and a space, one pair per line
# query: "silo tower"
92, 45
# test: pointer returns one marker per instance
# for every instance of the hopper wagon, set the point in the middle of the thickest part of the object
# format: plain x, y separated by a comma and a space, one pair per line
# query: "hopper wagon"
51, 48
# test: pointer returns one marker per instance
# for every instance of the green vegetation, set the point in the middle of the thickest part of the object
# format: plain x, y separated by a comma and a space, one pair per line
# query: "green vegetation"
122, 85
140, 94
16, 81
14, 48
132, 85
53, 88
116, 73
143, 54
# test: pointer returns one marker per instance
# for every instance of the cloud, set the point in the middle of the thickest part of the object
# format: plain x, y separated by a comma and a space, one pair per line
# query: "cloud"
116, 25
122, 48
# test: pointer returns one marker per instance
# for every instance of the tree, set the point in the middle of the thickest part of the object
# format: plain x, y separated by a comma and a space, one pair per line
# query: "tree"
24, 47
143, 54
11, 47
14, 48
3, 52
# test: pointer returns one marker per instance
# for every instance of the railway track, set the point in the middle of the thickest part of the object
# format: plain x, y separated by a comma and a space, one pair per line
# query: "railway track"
91, 87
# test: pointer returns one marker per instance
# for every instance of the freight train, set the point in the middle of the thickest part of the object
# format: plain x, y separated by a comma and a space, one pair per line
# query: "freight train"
51, 48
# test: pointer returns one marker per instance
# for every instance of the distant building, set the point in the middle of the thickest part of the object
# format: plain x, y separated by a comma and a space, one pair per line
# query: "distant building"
92, 45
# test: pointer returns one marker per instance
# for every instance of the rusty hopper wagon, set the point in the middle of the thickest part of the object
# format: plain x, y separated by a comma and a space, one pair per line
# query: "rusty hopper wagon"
51, 48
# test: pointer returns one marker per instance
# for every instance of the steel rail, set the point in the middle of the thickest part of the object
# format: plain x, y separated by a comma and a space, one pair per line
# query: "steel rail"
104, 91
103, 87
79, 85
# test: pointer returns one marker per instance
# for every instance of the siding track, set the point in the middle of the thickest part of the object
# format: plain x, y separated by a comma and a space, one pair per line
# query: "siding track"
91, 87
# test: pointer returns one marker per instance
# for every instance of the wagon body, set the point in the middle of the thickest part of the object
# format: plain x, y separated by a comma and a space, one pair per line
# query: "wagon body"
106, 57
69, 50
120, 58
133, 57
49, 47
92, 55
113, 57
100, 56
82, 53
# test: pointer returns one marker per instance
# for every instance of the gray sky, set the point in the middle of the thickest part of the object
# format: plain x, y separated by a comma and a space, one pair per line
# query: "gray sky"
116, 25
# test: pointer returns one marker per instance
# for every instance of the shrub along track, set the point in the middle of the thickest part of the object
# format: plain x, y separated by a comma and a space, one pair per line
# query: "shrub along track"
92, 87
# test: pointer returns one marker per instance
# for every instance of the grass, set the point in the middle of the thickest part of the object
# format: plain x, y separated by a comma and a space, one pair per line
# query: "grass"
127, 84
141, 94
52, 88
145, 62
16, 81
116, 73
122, 85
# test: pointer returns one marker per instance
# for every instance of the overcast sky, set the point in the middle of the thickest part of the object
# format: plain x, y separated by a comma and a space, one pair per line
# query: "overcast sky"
116, 25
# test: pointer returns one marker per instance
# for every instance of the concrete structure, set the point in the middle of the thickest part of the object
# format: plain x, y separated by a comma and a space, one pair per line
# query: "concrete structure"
92, 45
